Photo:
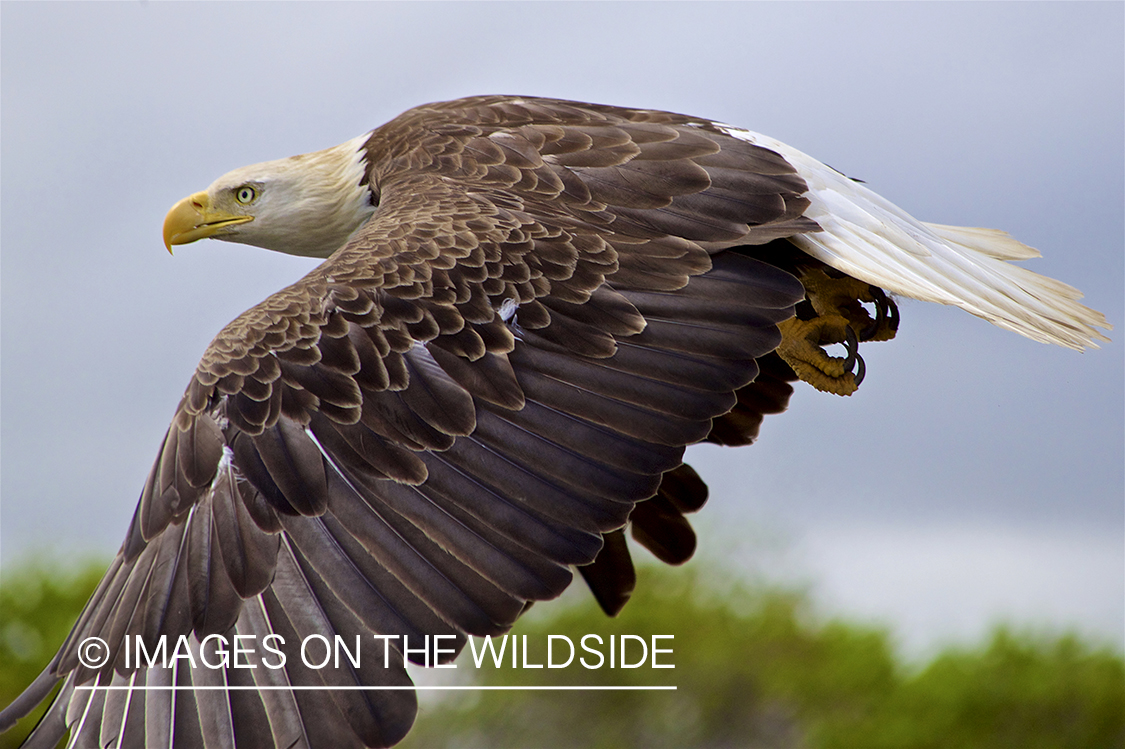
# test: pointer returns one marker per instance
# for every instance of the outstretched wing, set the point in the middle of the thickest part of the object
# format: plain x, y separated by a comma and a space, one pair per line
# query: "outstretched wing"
436, 425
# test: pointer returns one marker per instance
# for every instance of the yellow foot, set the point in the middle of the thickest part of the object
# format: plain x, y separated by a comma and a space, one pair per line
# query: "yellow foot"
845, 296
802, 349
837, 315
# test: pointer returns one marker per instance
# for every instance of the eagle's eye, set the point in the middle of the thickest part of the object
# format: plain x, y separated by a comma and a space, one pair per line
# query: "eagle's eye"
245, 194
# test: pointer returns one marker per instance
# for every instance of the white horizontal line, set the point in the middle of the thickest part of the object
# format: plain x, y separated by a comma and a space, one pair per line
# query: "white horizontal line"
234, 688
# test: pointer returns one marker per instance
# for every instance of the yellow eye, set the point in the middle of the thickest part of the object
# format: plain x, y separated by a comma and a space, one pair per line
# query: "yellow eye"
245, 194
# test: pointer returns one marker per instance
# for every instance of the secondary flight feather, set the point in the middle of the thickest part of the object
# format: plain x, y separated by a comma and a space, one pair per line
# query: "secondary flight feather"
529, 308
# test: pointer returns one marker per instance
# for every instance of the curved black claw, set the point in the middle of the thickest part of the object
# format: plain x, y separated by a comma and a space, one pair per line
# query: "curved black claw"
886, 315
892, 313
851, 343
880, 314
861, 369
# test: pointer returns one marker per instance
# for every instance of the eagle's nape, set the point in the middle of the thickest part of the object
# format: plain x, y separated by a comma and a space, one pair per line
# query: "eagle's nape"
530, 308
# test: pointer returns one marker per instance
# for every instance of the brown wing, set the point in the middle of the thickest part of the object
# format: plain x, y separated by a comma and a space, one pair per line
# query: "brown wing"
431, 429
660, 523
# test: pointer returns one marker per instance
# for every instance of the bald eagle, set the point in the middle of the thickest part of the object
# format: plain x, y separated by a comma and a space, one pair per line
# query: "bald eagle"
528, 309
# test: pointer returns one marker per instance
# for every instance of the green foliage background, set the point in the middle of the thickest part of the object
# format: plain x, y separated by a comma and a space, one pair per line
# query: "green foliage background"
39, 603
755, 667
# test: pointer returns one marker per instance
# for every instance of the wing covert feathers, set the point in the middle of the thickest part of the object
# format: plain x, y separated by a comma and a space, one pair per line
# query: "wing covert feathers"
472, 398
311, 524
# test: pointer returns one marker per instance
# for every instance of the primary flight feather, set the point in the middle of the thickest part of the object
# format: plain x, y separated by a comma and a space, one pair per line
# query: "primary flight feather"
529, 308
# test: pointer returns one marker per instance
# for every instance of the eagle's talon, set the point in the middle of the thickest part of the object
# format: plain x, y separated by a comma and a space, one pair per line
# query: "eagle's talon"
802, 348
879, 299
885, 324
892, 316
851, 343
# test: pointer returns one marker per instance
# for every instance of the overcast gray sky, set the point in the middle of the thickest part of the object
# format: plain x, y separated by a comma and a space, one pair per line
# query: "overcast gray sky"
976, 475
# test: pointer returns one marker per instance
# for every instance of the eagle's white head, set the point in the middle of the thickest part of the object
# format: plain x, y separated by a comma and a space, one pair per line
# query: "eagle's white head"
304, 205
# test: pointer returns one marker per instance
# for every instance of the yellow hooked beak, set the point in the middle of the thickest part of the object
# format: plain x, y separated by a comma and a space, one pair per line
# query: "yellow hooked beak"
193, 218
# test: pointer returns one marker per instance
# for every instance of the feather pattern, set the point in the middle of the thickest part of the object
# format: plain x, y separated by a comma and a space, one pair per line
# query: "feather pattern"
538, 306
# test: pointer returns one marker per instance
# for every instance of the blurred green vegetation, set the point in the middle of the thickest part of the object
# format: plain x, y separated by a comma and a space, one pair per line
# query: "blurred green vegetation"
754, 667
39, 602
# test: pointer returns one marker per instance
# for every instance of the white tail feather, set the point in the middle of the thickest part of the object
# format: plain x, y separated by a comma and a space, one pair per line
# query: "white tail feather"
993, 242
868, 237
